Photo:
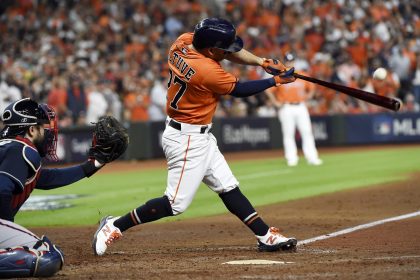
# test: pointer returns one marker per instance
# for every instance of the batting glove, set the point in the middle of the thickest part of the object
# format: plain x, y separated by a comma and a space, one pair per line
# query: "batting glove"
273, 66
285, 77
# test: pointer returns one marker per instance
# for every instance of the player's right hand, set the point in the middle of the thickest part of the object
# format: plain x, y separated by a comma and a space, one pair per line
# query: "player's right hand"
285, 77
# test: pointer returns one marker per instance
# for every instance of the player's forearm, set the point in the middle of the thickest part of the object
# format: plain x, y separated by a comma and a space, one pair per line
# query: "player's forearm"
245, 57
249, 88
60, 177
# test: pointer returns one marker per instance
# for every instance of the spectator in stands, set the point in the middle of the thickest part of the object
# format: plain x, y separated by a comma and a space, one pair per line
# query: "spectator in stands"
97, 105
389, 86
267, 110
348, 72
113, 100
57, 97
116, 39
238, 108
77, 100
416, 79
400, 64
137, 101
9, 92
157, 108
410, 104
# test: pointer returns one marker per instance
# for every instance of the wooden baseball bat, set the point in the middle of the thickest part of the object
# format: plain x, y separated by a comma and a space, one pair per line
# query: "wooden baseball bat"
383, 101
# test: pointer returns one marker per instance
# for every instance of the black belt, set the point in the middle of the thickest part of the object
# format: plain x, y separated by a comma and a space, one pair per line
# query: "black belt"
177, 126
293, 103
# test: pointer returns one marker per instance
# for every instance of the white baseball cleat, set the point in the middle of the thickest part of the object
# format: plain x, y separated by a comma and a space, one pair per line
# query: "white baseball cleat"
274, 241
105, 235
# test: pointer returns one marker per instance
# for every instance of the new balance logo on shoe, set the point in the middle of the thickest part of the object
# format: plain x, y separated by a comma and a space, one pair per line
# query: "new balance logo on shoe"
106, 230
271, 239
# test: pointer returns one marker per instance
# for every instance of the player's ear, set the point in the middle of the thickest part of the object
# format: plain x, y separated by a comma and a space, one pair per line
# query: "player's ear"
32, 130
210, 51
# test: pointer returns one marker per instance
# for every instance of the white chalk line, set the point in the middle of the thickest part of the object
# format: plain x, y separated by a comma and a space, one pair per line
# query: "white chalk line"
365, 260
359, 227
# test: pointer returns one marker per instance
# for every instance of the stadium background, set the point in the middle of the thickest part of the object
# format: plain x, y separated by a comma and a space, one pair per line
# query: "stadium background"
89, 58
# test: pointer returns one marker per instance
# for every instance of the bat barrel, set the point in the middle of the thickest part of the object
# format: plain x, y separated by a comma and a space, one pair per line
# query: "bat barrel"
383, 101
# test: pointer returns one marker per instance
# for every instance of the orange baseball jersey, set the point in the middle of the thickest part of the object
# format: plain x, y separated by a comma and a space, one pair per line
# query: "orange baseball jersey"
195, 83
295, 92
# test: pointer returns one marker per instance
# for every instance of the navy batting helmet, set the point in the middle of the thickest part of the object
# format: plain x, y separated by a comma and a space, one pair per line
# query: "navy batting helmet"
21, 114
216, 33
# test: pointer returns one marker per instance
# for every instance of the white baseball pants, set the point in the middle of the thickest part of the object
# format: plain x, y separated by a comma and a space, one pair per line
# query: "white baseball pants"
193, 157
294, 116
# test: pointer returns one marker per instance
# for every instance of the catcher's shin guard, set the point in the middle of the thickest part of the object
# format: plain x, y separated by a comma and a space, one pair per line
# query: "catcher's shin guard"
24, 262
18, 262
50, 261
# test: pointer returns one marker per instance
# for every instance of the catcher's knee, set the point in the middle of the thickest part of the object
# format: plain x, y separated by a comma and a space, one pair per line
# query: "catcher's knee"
24, 262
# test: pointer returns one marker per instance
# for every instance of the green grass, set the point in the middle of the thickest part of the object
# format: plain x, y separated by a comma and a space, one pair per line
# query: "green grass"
263, 181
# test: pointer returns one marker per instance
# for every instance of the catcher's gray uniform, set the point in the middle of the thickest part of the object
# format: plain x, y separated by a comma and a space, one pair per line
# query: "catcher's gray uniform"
13, 235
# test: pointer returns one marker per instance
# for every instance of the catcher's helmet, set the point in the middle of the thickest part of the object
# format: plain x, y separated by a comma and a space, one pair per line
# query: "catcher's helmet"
216, 33
21, 114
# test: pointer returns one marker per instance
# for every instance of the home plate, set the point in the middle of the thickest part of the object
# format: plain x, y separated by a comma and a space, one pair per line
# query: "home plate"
256, 262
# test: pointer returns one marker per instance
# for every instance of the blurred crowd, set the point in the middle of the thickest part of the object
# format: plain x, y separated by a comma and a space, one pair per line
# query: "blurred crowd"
89, 58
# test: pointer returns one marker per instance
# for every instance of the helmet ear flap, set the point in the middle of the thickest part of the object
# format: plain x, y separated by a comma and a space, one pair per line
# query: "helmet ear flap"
6, 115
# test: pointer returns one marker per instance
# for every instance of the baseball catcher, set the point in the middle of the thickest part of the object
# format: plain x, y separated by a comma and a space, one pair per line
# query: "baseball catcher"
30, 135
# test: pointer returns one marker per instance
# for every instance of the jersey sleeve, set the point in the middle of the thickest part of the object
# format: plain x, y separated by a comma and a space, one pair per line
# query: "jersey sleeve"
186, 37
59, 177
218, 80
14, 166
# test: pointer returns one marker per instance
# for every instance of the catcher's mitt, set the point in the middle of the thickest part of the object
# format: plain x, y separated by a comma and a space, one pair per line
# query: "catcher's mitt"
110, 140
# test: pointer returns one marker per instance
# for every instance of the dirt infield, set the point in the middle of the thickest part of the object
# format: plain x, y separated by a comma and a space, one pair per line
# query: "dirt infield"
197, 248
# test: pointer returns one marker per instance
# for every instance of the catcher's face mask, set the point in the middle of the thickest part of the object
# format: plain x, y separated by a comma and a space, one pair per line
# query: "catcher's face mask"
48, 146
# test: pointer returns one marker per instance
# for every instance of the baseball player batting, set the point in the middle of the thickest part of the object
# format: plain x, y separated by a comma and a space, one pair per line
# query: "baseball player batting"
30, 134
196, 83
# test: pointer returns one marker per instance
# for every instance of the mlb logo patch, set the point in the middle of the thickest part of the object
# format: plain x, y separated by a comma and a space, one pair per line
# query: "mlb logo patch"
383, 128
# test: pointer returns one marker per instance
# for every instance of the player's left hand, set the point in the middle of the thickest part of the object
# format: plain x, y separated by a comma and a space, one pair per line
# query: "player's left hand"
285, 77
273, 66
110, 140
